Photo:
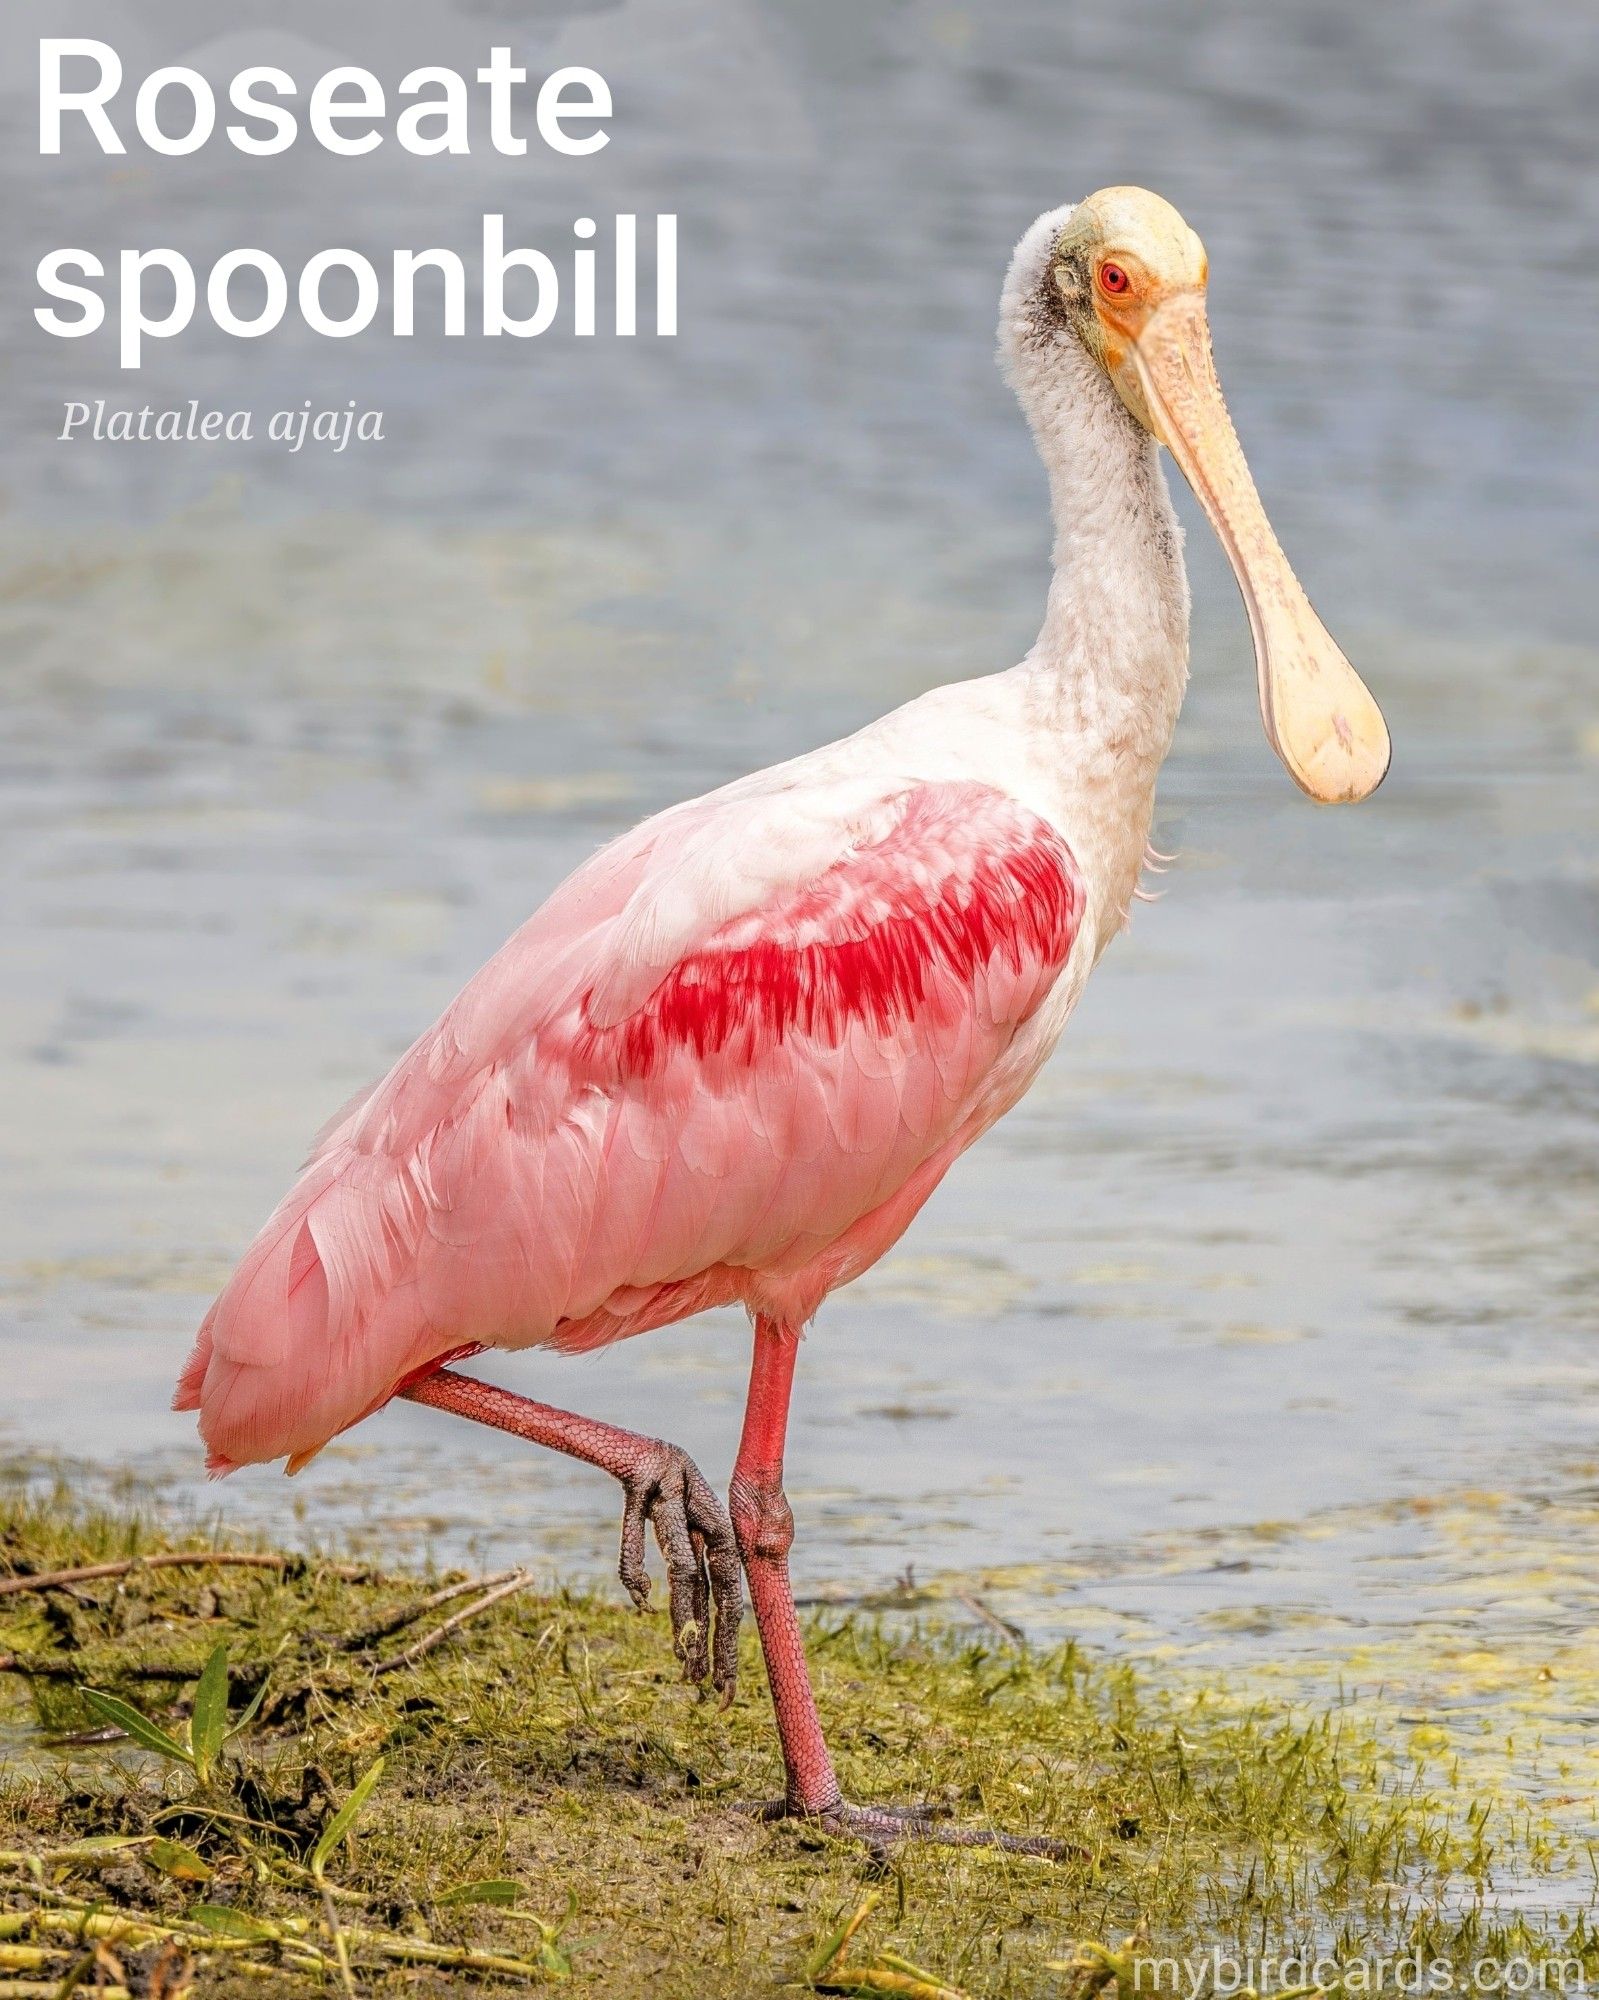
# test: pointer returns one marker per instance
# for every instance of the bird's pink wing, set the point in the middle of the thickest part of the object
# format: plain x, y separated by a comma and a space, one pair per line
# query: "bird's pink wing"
727, 1059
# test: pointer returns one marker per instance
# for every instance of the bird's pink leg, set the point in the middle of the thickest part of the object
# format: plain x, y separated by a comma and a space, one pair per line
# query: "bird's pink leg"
764, 1525
664, 1487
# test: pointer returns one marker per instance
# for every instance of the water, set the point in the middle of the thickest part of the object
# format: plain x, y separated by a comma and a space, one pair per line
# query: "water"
1262, 1334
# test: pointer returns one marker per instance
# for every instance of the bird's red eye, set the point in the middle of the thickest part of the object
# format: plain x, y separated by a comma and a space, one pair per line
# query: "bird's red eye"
1113, 279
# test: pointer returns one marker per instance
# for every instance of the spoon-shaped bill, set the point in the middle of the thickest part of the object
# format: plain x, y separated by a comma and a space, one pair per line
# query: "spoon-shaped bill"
1319, 715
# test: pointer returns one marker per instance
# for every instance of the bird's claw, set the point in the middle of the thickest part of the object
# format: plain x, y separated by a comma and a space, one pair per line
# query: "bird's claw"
705, 1580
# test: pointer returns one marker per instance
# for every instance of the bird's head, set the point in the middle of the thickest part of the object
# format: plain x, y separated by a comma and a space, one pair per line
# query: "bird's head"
1127, 276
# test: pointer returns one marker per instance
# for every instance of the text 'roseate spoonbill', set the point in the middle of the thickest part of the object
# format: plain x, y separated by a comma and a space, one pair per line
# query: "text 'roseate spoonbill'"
735, 1052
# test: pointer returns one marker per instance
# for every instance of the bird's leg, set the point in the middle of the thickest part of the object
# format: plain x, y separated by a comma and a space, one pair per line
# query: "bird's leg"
764, 1525
664, 1487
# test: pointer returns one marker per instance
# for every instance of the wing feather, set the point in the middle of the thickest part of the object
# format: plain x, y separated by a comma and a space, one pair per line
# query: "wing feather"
697, 1072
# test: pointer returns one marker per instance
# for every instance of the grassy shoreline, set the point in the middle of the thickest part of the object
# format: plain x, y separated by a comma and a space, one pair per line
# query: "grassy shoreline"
553, 1806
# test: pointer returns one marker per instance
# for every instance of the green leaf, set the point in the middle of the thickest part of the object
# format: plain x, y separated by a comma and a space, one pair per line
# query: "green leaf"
223, 1922
920, 1973
343, 1819
178, 1861
826, 1952
554, 1959
110, 1708
208, 1722
247, 1715
490, 1891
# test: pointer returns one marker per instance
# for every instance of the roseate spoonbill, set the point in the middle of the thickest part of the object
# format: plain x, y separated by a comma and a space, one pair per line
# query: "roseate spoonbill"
735, 1052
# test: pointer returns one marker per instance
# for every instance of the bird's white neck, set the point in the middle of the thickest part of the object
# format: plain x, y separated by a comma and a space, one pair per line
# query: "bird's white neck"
1105, 676
1113, 646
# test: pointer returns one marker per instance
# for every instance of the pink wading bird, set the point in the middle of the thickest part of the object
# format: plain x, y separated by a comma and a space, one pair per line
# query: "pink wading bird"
735, 1052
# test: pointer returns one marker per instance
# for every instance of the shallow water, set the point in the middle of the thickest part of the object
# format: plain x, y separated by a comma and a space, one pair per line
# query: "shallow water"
1262, 1334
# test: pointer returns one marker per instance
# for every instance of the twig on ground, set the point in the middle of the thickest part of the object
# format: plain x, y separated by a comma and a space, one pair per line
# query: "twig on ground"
396, 1621
463, 1958
30, 1957
52, 1989
245, 1679
42, 1667
92, 1850
885, 1978
181, 1559
79, 1923
518, 1580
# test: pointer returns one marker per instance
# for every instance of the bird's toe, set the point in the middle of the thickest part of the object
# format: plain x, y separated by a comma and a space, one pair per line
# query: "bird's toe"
882, 1828
705, 1584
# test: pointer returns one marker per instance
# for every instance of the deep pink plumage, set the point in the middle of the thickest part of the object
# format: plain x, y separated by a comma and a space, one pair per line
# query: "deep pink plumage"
727, 1060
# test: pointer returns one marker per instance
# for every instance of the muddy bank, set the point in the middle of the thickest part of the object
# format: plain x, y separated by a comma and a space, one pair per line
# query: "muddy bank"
552, 1804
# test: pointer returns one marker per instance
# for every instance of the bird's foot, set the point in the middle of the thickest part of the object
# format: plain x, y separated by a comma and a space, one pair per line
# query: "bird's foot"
704, 1578
880, 1828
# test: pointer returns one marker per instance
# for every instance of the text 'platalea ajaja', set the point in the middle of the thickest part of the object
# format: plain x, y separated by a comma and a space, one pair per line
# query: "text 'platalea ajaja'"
735, 1052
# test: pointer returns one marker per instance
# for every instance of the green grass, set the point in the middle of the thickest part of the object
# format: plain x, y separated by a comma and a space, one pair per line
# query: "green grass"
551, 1796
